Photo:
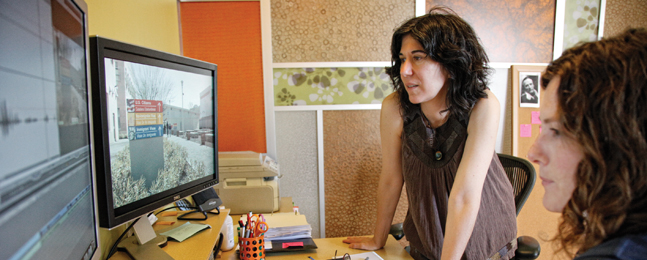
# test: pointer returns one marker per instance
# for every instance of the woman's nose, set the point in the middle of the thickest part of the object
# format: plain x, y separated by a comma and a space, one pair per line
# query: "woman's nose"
405, 69
534, 153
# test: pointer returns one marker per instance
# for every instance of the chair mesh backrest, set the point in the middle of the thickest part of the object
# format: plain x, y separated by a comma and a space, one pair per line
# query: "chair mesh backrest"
521, 175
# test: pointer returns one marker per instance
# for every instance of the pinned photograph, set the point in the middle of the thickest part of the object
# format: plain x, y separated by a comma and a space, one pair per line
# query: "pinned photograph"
529, 89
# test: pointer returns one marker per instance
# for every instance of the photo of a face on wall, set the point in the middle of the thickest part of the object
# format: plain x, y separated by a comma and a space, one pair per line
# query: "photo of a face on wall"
529, 89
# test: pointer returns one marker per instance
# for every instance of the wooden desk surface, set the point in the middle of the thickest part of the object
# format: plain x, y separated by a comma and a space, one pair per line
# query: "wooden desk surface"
199, 246
326, 250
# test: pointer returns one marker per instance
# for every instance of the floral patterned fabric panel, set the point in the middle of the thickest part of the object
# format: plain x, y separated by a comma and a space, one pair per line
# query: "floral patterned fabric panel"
510, 30
335, 30
581, 22
330, 86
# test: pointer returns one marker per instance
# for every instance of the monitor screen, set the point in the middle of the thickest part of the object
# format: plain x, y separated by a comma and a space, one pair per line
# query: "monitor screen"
46, 192
154, 128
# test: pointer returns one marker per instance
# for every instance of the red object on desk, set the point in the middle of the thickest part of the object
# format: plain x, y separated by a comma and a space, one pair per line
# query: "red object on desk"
292, 244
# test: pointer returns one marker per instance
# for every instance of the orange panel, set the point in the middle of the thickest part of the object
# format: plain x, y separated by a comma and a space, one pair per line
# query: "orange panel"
229, 35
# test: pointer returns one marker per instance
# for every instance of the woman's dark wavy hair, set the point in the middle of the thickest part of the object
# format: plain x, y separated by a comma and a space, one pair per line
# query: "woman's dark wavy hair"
602, 97
452, 42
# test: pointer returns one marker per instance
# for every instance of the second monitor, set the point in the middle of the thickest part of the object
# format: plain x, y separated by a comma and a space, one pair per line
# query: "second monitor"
155, 128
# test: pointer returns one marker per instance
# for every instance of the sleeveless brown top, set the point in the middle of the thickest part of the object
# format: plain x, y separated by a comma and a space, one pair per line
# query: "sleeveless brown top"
430, 158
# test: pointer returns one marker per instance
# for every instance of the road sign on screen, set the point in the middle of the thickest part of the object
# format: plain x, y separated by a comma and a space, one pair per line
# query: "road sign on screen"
144, 106
143, 132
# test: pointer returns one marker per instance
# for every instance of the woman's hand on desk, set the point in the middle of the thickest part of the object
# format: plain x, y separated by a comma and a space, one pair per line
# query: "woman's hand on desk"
364, 243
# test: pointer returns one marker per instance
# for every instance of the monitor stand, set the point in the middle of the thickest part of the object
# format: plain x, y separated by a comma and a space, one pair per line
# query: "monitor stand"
145, 244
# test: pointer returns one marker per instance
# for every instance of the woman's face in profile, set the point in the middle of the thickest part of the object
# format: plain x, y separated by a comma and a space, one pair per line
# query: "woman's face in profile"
556, 152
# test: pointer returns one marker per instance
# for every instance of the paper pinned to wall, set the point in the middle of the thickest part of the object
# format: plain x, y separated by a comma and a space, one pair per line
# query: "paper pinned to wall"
526, 130
535, 118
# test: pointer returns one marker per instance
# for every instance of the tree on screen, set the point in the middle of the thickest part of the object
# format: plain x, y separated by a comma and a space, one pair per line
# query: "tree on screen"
149, 83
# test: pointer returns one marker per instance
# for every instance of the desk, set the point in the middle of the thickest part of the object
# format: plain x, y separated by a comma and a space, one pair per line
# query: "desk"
197, 247
200, 246
326, 250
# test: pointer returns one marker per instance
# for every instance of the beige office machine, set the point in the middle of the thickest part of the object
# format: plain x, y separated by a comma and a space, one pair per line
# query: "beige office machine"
248, 182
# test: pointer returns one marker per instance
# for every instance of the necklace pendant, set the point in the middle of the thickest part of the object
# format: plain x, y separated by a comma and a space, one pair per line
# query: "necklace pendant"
439, 156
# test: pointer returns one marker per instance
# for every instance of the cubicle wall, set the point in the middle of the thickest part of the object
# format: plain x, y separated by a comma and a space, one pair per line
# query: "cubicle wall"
621, 14
352, 163
228, 33
296, 134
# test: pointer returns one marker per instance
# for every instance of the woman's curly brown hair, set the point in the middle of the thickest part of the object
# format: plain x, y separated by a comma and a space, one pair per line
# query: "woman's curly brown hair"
602, 97
450, 41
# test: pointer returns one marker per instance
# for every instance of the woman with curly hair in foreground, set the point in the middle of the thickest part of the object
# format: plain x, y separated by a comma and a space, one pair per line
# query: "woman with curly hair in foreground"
592, 151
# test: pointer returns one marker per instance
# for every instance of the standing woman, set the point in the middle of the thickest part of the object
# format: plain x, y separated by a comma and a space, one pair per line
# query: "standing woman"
438, 132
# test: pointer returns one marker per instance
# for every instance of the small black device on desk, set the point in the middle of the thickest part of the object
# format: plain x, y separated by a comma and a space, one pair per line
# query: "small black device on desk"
289, 245
205, 201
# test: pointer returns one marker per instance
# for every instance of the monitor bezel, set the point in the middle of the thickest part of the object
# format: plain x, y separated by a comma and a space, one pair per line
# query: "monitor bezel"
100, 49
83, 6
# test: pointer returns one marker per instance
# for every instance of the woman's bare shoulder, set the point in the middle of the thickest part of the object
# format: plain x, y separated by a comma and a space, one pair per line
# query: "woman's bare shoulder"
391, 105
486, 111
391, 115
485, 107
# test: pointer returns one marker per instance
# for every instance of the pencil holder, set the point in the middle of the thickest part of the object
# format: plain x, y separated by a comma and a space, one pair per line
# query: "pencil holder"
252, 248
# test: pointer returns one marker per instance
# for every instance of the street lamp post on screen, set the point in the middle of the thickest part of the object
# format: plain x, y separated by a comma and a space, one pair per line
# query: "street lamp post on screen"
182, 110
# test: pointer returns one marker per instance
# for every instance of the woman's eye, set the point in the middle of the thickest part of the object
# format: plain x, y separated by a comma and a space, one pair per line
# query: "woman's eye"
555, 131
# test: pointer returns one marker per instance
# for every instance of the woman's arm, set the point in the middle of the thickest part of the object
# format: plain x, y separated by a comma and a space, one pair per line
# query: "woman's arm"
465, 196
391, 181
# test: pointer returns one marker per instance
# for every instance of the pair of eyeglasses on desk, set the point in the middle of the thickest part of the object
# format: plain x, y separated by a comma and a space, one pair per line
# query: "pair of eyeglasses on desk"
345, 257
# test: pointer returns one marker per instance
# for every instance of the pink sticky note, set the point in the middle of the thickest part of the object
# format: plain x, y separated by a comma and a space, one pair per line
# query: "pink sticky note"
526, 130
535, 117
292, 244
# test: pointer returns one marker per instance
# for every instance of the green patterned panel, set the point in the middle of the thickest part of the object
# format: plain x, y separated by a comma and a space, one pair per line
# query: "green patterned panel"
330, 86
581, 20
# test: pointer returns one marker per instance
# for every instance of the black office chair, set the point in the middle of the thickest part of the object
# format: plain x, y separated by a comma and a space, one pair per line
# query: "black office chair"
522, 176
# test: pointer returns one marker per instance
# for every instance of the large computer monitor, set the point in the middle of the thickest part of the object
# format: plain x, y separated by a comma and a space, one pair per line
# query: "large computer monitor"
46, 187
155, 128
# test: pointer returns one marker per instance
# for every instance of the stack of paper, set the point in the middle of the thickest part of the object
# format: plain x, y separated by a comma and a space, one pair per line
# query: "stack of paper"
284, 226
